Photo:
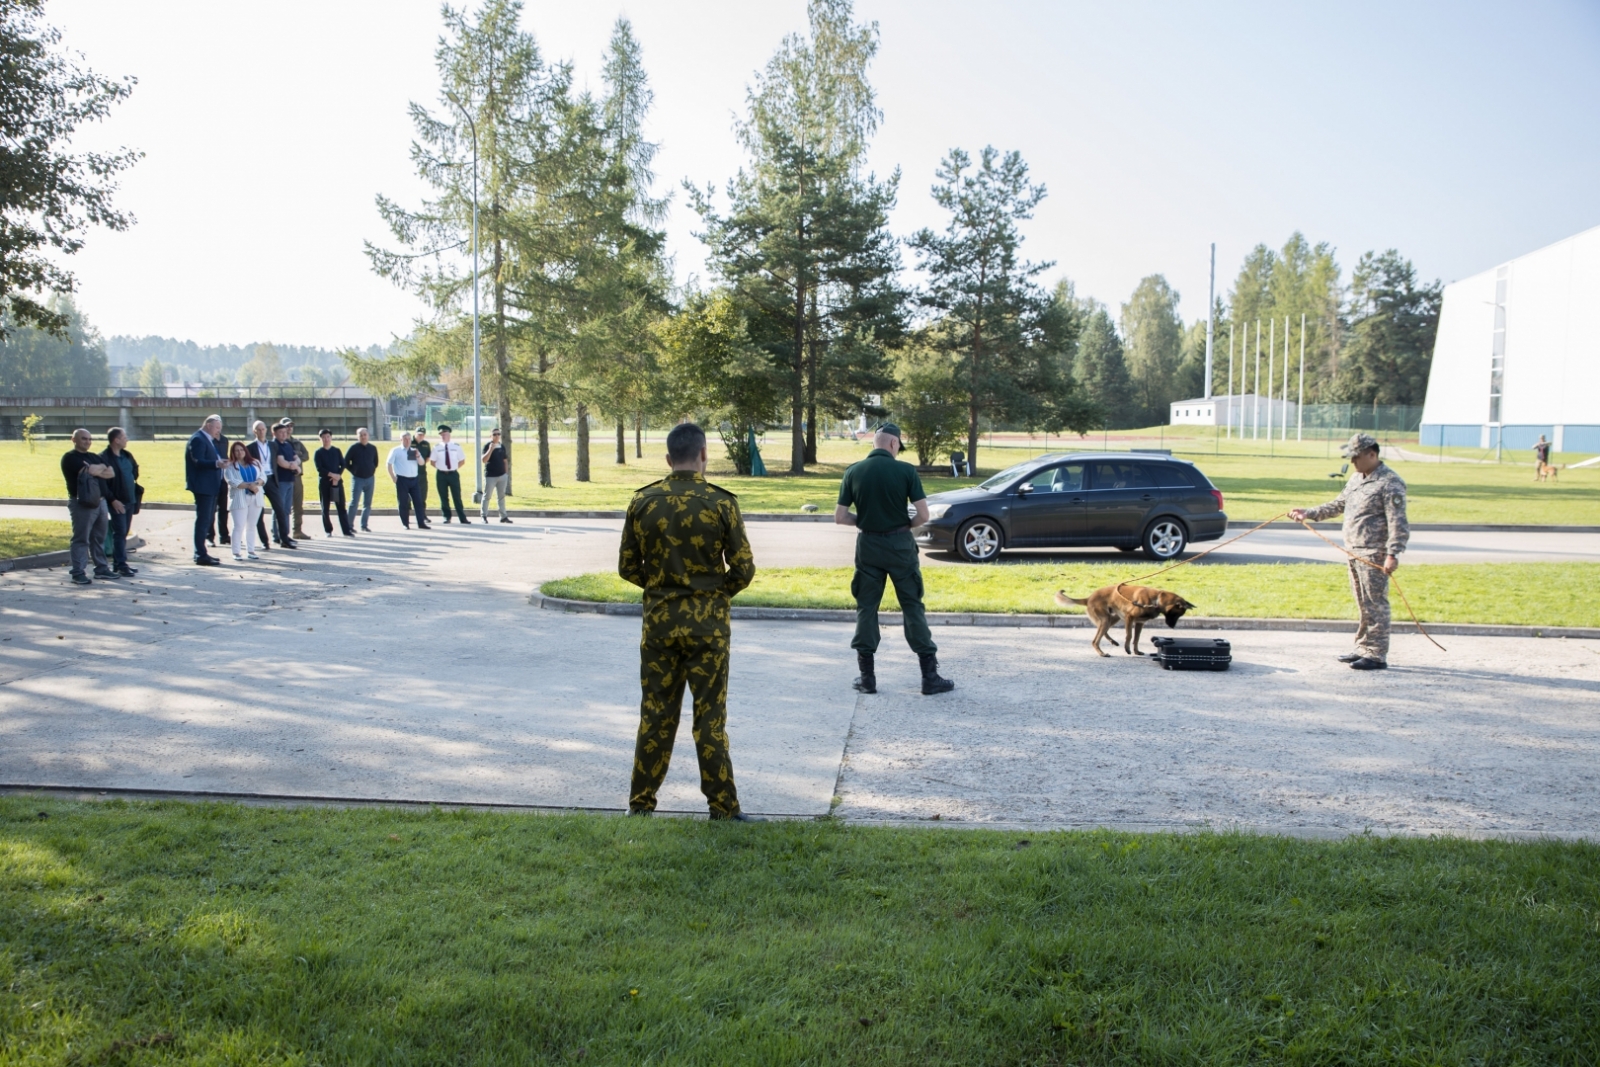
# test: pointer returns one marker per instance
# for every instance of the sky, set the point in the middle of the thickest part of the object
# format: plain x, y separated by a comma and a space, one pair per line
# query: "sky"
1462, 133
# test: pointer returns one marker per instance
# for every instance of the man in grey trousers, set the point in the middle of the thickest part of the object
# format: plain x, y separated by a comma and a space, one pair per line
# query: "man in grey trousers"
88, 524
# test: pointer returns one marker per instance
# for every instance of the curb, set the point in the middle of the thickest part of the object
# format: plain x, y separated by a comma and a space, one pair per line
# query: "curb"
1071, 622
42, 560
820, 516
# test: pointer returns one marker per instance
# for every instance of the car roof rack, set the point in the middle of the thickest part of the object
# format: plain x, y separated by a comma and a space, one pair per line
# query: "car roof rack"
1158, 451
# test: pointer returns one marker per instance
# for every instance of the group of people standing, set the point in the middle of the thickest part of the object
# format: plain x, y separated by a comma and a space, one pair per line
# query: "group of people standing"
103, 495
237, 479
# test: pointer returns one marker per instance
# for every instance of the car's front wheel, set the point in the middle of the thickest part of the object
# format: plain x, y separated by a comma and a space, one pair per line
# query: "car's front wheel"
1165, 539
979, 540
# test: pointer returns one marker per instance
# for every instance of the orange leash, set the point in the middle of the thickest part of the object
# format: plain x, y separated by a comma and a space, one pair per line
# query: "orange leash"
1423, 630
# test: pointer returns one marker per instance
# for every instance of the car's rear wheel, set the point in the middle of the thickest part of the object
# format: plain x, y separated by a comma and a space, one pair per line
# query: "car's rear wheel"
1165, 539
979, 541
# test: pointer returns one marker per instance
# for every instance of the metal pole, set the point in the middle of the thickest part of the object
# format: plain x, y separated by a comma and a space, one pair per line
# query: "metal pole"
1300, 408
477, 392
1211, 301
1255, 417
1230, 380
1284, 422
1272, 350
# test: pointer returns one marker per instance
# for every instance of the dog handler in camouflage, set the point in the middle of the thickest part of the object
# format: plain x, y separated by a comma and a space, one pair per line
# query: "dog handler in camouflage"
684, 544
1373, 503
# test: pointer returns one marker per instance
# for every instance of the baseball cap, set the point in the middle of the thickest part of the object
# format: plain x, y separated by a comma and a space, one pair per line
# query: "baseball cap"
1358, 443
420, 429
286, 421
891, 429
324, 430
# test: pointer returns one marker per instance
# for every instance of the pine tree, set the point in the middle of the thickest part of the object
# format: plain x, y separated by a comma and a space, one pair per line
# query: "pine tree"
1394, 322
1102, 370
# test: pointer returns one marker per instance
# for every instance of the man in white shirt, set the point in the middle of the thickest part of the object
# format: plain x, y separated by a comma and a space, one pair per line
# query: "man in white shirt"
262, 452
405, 469
446, 460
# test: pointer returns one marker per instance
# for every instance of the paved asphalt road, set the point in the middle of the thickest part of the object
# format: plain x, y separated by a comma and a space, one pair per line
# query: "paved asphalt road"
591, 544
410, 665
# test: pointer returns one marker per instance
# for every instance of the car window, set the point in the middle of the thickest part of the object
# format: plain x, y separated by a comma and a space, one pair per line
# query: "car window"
1005, 477
1122, 476
1170, 476
1063, 479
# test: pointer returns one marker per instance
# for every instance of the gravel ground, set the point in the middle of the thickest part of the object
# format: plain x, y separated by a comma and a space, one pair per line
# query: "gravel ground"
411, 666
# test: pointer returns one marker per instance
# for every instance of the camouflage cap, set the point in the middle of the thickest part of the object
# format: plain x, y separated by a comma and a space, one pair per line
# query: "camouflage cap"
1358, 443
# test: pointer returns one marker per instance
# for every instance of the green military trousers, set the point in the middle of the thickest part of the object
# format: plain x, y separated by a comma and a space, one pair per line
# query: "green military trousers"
666, 665
892, 557
1371, 589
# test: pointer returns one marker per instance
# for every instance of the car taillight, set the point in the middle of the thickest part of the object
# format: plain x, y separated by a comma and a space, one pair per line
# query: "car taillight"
1218, 494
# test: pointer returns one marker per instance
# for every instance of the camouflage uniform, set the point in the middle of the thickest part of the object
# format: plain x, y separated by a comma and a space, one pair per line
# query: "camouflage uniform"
1374, 509
684, 544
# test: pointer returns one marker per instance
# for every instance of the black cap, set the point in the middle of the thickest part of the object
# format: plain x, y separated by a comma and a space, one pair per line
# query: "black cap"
891, 429
286, 421
324, 432
444, 428
420, 429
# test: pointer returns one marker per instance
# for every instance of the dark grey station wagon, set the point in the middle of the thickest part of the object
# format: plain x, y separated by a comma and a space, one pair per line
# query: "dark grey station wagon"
1091, 499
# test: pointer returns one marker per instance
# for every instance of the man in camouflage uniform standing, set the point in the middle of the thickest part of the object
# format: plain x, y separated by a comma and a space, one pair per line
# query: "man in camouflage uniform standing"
1373, 503
684, 544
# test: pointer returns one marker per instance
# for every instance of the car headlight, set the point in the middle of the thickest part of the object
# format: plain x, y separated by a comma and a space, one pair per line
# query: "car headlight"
937, 511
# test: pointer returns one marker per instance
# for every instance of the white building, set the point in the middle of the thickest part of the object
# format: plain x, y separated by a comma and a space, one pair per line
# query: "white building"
1230, 410
1518, 353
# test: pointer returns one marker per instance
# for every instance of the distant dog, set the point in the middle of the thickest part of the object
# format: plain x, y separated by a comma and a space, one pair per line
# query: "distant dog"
1547, 471
1130, 604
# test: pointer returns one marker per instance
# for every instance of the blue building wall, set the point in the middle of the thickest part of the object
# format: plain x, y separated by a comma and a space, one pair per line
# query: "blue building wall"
1580, 439
1452, 436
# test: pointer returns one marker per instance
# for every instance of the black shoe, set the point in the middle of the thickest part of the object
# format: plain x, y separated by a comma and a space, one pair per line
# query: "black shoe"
1349, 657
641, 812
106, 573
931, 682
507, 521
349, 533
366, 529
741, 817
1367, 663
867, 681
208, 561
126, 571
466, 522
79, 578
447, 522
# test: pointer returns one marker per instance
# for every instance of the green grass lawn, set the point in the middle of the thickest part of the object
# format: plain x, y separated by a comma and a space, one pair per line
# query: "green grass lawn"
1254, 486
212, 934
1526, 594
29, 537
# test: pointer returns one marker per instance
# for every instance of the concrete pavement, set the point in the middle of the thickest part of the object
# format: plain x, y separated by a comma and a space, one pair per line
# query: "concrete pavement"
409, 665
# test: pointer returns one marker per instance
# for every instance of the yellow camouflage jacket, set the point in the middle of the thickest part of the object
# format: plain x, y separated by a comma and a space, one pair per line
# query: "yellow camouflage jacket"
684, 544
1374, 509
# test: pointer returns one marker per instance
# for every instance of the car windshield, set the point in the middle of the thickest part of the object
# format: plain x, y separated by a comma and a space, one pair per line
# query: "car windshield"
1007, 476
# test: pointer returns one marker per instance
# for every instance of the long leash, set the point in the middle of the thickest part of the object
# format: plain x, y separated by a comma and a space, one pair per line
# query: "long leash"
1423, 630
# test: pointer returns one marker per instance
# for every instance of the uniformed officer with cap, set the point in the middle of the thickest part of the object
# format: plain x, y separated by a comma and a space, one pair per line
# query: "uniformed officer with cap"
684, 544
1373, 503
880, 487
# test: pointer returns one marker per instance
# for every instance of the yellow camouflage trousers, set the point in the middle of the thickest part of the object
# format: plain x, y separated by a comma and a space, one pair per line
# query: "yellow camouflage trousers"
1371, 589
666, 665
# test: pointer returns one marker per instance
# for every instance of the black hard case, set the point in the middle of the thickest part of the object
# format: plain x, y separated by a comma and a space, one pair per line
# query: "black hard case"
1192, 653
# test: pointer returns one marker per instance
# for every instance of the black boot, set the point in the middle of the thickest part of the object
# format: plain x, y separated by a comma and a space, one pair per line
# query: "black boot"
868, 682
931, 682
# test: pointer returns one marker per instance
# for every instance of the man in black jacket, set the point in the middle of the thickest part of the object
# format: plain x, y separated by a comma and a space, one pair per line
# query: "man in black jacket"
221, 528
330, 483
361, 460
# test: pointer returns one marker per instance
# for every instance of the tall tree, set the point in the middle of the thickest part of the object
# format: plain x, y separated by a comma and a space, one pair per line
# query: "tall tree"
1280, 287
712, 369
501, 103
49, 197
992, 312
1102, 370
1153, 335
1394, 322
805, 245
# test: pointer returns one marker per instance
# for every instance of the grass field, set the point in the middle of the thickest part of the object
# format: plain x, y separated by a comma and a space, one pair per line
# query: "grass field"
28, 537
1526, 594
1255, 486
210, 934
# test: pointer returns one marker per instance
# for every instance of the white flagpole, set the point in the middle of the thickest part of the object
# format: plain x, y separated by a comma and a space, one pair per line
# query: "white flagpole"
1300, 410
1272, 350
1229, 434
1211, 301
1255, 417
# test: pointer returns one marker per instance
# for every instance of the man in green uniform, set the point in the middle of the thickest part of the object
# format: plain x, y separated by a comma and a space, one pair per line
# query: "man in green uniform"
1373, 504
684, 544
881, 487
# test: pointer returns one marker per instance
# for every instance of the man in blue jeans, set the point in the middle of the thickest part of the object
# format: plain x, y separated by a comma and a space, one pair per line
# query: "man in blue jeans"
203, 477
361, 460
285, 465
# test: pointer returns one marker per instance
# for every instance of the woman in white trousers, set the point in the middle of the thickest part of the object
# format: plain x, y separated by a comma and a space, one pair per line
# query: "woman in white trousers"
245, 482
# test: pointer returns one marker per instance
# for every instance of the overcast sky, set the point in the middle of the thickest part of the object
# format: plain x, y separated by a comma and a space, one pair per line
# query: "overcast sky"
1462, 133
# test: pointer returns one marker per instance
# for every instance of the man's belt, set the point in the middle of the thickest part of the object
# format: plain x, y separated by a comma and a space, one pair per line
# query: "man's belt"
887, 533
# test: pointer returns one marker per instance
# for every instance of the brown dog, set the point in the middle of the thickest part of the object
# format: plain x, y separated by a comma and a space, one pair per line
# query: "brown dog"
1132, 604
1547, 471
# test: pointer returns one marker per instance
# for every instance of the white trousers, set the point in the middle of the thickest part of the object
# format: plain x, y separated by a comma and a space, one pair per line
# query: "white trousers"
244, 508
